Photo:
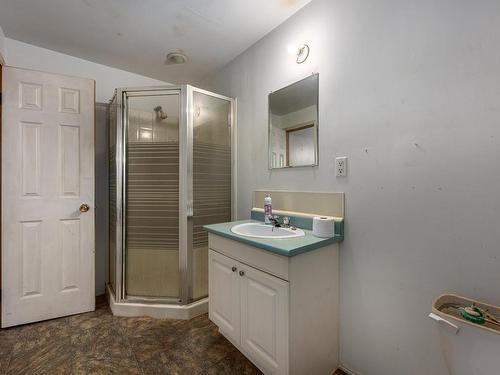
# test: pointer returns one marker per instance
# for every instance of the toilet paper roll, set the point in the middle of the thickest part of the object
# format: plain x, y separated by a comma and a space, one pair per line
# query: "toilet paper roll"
323, 226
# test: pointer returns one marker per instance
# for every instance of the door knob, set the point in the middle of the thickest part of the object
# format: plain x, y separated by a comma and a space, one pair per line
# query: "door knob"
84, 207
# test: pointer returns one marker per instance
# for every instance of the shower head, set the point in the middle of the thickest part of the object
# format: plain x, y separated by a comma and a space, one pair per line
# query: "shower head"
160, 113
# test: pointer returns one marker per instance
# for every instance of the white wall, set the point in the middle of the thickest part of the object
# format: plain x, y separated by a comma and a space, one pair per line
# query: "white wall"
409, 91
107, 79
2, 44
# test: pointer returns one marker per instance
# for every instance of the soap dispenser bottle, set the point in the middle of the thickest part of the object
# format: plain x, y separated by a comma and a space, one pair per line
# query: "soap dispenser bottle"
268, 208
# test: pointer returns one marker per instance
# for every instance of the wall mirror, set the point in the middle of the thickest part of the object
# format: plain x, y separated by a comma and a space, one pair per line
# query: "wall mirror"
293, 124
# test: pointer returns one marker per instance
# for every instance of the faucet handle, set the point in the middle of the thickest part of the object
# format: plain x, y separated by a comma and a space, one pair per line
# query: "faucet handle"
286, 220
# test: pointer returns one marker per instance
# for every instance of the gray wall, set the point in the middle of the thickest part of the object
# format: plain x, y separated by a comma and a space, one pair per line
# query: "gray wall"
409, 91
2, 45
101, 197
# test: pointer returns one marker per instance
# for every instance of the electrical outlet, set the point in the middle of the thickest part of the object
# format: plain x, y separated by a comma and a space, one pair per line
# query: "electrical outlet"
341, 166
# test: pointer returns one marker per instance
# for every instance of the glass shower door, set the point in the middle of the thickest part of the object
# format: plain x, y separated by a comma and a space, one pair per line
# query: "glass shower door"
211, 178
152, 194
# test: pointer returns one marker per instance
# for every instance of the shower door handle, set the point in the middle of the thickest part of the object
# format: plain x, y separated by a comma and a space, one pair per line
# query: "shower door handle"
189, 209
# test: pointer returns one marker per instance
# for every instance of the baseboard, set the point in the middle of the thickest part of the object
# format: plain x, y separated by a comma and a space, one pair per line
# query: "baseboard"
184, 312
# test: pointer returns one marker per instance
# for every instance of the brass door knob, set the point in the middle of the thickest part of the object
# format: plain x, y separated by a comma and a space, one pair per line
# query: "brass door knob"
84, 207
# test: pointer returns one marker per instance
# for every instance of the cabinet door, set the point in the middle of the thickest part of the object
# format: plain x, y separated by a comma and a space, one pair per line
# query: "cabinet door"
264, 319
224, 293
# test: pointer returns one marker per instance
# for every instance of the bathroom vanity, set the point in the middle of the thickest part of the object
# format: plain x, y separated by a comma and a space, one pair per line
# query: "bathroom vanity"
276, 300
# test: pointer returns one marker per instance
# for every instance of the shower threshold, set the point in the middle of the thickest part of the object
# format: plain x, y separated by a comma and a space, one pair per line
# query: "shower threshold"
160, 311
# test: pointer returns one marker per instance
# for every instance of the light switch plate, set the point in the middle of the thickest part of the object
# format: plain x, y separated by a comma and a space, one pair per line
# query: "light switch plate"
341, 166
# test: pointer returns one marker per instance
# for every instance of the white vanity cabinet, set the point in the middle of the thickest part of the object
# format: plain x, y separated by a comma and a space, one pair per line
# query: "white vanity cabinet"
251, 308
224, 291
281, 312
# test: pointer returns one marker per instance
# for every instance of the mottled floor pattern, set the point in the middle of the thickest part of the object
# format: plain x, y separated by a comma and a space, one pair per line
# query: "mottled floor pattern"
100, 343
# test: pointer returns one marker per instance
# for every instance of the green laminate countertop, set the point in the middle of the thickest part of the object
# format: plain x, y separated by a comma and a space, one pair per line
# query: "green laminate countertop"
286, 246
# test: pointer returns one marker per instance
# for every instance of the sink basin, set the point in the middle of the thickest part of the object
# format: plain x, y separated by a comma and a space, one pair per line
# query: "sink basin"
258, 230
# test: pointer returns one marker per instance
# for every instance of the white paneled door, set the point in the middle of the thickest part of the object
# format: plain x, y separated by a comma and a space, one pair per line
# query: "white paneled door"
47, 196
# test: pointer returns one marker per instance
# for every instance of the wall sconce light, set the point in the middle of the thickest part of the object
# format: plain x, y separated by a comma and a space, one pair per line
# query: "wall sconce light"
301, 53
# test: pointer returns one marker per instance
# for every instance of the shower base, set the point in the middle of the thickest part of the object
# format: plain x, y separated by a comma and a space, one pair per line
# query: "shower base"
159, 311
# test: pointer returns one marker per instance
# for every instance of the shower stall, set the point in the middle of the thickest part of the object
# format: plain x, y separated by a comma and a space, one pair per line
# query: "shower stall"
170, 171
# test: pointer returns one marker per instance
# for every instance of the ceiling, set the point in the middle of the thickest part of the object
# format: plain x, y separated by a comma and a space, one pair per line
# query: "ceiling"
136, 35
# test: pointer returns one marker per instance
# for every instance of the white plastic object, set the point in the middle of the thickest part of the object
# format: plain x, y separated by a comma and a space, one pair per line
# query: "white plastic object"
438, 319
341, 166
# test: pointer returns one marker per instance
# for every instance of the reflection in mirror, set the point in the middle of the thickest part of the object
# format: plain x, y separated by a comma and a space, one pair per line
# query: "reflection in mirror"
293, 124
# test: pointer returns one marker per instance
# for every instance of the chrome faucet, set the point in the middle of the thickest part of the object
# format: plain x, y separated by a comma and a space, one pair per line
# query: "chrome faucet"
276, 222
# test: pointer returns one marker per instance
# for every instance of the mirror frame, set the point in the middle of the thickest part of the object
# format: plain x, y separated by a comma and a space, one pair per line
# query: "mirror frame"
316, 126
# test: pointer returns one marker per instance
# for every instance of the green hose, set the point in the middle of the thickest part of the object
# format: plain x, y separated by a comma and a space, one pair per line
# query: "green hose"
472, 314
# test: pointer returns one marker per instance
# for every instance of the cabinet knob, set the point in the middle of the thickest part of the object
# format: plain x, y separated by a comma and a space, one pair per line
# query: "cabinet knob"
234, 269
242, 273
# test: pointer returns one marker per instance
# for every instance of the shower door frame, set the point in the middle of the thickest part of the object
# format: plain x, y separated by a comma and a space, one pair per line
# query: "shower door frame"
186, 257
186, 208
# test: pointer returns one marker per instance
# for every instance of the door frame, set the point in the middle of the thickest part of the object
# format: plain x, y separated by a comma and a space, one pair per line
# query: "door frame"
186, 255
185, 186
292, 129
121, 196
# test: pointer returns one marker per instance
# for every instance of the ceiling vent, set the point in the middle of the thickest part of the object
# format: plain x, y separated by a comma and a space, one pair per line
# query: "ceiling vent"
176, 58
